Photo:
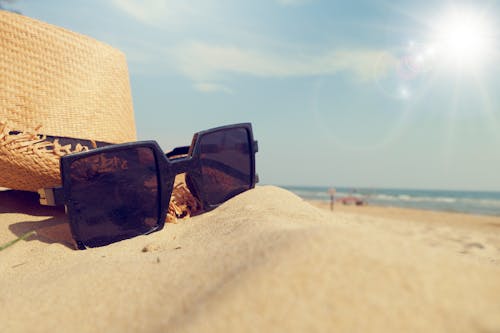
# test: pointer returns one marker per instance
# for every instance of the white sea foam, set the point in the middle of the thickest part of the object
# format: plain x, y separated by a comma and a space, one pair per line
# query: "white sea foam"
468, 202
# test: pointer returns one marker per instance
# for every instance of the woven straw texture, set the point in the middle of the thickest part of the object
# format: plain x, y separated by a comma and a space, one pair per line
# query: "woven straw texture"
58, 83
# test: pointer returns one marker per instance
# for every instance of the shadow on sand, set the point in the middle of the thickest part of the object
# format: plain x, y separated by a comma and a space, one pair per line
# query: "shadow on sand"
53, 229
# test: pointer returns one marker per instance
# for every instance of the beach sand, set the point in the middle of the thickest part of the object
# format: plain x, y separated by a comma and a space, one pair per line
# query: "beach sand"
265, 261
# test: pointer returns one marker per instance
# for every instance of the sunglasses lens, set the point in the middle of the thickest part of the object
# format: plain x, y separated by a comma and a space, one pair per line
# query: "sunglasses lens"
226, 164
114, 195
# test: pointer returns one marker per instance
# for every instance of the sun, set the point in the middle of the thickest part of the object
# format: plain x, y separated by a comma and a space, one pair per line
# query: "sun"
463, 38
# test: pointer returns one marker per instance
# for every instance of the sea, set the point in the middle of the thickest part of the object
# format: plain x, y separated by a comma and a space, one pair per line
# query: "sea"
469, 202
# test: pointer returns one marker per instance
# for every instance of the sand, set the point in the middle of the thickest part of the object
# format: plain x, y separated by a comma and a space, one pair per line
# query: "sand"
265, 261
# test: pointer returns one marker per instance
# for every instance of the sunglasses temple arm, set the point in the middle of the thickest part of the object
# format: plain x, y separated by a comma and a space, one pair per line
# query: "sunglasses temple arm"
52, 196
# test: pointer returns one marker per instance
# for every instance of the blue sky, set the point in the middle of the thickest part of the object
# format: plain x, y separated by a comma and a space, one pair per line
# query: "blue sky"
340, 93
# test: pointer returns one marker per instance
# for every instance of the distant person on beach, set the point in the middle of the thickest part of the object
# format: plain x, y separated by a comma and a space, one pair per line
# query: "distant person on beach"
332, 192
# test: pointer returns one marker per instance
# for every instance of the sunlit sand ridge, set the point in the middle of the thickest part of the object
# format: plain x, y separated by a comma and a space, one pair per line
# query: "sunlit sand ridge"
264, 261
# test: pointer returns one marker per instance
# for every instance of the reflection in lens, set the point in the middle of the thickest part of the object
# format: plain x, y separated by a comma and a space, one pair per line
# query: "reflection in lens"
114, 195
225, 164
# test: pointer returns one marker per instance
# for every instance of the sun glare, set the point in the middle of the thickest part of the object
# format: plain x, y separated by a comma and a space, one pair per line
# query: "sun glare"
463, 38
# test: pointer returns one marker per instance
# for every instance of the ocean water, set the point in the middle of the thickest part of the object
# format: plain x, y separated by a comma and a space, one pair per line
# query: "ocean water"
470, 202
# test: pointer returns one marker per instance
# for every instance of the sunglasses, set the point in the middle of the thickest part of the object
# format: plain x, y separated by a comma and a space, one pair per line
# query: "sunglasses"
121, 191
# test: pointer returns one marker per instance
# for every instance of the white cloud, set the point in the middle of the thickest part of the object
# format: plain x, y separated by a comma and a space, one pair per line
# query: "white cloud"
158, 12
203, 62
208, 64
142, 11
207, 87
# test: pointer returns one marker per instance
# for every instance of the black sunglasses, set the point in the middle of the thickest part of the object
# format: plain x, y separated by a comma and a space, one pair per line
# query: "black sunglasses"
121, 191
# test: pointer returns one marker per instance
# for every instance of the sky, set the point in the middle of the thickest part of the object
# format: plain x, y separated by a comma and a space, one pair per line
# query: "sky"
377, 94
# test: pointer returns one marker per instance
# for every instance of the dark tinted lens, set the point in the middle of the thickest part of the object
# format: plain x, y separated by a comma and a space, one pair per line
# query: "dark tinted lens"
114, 195
225, 164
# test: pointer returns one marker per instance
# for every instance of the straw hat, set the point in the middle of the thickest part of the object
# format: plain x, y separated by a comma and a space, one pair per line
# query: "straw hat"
56, 83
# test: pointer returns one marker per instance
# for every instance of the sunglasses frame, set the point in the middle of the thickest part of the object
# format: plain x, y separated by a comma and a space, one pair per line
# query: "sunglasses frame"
166, 168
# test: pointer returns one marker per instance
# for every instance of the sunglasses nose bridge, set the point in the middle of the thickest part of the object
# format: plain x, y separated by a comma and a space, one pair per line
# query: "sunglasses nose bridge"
182, 165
